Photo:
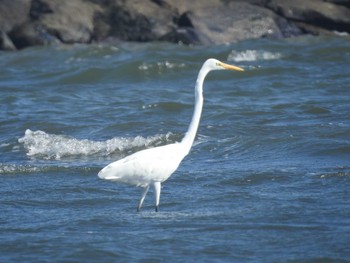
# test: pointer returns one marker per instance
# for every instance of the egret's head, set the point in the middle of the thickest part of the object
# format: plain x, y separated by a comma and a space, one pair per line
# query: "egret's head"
214, 64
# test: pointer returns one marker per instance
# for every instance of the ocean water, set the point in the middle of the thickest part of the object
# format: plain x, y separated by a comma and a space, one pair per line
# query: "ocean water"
267, 179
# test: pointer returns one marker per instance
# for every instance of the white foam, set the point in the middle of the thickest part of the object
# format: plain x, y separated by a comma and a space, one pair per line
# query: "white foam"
161, 65
252, 55
15, 169
51, 146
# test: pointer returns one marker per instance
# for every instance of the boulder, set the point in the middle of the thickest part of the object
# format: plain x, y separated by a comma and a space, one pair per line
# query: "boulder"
69, 21
40, 22
13, 13
5, 42
314, 16
139, 20
217, 22
26, 35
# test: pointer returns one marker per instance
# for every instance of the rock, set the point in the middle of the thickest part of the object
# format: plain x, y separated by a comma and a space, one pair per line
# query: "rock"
25, 35
69, 21
340, 2
31, 34
5, 42
25, 23
139, 20
12, 14
39, 22
215, 22
314, 16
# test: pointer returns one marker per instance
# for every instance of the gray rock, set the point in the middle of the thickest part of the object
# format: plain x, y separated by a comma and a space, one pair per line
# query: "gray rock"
139, 20
216, 22
69, 21
13, 13
5, 42
41, 22
31, 34
314, 16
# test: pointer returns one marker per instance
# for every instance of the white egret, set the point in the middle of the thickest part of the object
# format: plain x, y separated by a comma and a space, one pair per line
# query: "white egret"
151, 167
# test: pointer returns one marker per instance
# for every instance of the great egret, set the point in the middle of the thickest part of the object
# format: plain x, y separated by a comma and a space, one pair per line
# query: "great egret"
151, 167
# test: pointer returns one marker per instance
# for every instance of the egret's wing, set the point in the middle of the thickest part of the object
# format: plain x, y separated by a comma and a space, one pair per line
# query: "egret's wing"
144, 167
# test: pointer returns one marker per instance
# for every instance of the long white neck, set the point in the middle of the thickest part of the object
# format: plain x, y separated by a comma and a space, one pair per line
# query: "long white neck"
187, 141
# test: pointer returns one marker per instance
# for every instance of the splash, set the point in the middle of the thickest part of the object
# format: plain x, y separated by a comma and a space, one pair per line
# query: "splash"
252, 55
51, 146
15, 169
161, 65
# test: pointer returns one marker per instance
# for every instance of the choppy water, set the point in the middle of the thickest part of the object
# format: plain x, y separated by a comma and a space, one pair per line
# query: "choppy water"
267, 180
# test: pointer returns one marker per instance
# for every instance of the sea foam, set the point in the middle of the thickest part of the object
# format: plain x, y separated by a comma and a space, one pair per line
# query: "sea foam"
52, 146
252, 55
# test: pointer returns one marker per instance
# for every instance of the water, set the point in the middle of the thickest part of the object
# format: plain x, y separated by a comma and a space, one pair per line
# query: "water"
266, 181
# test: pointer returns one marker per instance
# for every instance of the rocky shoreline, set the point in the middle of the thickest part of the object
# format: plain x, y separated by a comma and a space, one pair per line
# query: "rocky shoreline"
25, 23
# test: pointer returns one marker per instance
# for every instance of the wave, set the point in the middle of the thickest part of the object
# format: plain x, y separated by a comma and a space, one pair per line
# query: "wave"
252, 55
14, 169
42, 145
161, 65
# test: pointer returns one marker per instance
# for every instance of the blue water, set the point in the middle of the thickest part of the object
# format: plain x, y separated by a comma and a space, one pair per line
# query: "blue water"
267, 179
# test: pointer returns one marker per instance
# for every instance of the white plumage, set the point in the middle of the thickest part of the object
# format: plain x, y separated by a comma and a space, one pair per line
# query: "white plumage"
151, 167
146, 166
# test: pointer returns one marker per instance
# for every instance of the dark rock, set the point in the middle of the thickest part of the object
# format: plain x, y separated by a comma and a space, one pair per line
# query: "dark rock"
5, 42
314, 16
25, 35
139, 20
185, 35
31, 34
69, 21
39, 8
340, 2
215, 22
12, 14
41, 22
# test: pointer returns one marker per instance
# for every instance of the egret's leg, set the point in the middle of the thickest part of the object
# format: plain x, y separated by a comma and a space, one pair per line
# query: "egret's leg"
157, 187
144, 192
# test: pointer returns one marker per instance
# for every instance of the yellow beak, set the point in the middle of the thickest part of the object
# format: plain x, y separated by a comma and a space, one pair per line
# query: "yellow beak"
230, 67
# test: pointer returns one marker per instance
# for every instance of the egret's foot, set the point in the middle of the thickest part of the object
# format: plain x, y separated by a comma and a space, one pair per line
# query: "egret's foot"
138, 209
157, 208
